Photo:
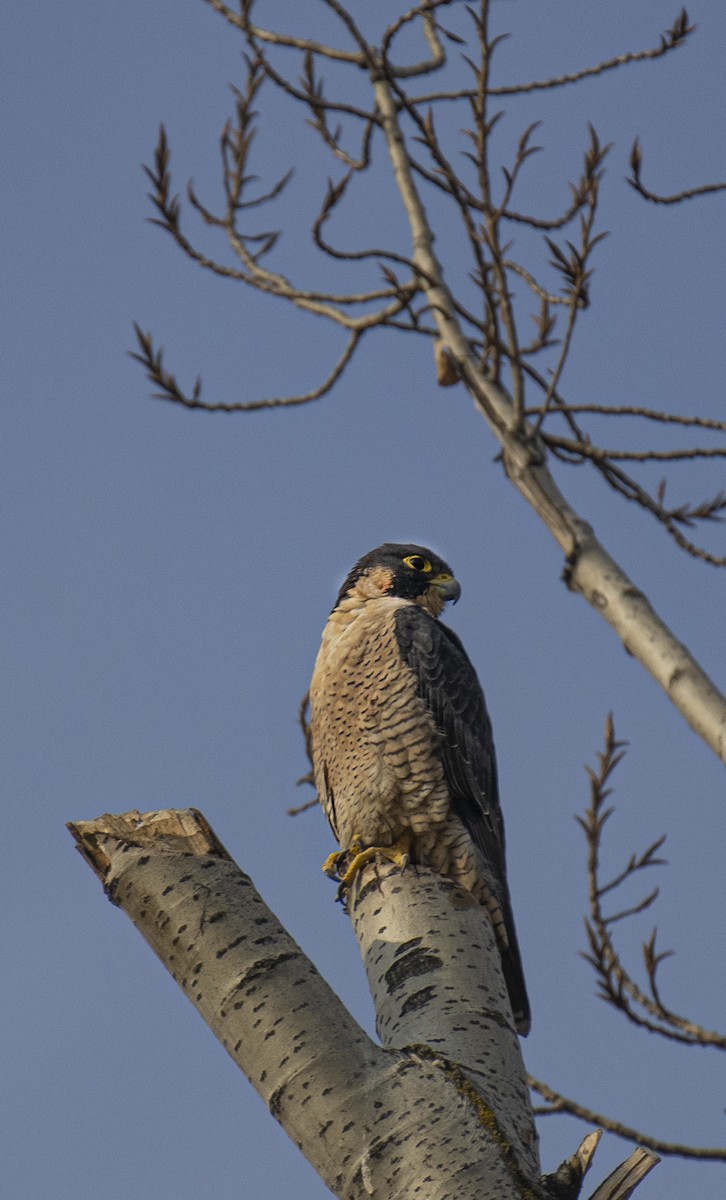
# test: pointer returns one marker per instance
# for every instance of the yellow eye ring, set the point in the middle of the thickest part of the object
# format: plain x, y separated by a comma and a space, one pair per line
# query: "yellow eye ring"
417, 563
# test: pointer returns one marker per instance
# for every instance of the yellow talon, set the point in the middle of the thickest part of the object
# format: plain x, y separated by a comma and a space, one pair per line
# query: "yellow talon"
335, 862
344, 865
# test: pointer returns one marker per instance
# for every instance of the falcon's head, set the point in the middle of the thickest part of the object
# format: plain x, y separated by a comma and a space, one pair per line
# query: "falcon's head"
405, 571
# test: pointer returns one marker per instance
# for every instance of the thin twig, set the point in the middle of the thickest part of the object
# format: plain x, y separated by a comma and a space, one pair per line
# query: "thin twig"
635, 181
673, 38
616, 984
153, 361
558, 1103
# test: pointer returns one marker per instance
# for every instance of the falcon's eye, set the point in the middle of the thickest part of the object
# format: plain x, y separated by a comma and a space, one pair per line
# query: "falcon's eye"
417, 563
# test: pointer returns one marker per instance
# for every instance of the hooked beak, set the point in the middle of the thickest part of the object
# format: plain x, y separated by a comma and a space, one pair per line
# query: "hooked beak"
447, 587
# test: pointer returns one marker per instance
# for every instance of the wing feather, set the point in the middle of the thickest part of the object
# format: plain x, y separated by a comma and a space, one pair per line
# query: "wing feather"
448, 685
450, 689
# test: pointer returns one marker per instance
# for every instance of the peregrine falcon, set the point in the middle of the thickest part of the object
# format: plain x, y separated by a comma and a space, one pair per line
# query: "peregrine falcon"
402, 743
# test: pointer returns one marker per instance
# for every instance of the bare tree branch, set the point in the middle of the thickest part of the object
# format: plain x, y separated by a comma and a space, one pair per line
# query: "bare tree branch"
241, 21
165, 381
673, 38
617, 985
635, 181
557, 1103
168, 205
651, 414
475, 346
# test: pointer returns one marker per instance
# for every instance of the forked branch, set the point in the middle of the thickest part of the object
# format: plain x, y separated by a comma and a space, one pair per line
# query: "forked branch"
617, 985
644, 1008
282, 1025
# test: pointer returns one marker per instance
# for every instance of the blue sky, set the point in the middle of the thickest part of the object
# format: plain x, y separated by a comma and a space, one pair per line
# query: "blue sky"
170, 573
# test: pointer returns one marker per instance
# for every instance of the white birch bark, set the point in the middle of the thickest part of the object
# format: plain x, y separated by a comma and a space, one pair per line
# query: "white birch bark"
388, 1122
589, 569
435, 975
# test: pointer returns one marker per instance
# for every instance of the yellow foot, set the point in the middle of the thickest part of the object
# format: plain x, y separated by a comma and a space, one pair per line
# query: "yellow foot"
335, 864
344, 865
